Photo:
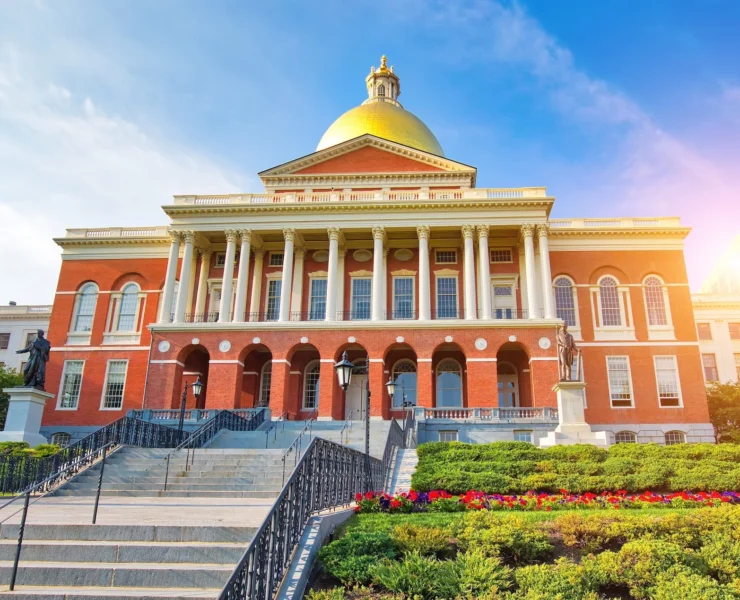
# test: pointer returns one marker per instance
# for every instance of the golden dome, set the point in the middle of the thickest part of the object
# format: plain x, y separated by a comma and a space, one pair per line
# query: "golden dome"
383, 116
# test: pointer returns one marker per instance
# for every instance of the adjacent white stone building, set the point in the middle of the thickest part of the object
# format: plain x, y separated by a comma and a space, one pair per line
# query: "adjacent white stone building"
18, 326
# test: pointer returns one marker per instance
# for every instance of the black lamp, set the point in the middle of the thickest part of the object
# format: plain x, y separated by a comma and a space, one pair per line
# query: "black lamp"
344, 370
391, 387
197, 387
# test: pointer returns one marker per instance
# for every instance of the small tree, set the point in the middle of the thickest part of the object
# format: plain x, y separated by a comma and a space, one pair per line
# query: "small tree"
724, 410
8, 378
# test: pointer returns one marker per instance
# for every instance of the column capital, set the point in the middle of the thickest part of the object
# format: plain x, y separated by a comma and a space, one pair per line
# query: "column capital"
188, 236
527, 230
482, 231
205, 253
259, 253
467, 231
543, 229
378, 232
423, 232
232, 235
175, 236
245, 235
300, 252
334, 233
289, 234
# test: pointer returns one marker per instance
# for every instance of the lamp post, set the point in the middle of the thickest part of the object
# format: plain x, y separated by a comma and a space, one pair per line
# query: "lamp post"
197, 390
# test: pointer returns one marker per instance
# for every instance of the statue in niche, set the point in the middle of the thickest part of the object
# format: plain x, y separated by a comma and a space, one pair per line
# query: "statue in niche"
567, 350
34, 371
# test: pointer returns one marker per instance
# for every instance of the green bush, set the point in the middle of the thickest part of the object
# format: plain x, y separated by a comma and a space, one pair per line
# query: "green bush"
679, 583
333, 594
23, 449
721, 554
427, 541
349, 558
563, 580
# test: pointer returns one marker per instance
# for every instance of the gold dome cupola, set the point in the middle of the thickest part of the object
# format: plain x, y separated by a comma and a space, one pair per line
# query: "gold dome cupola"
383, 85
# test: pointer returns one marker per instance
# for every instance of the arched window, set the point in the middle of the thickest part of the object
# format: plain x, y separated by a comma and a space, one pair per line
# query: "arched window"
655, 301
127, 310
508, 385
87, 298
611, 314
360, 367
265, 384
60, 439
381, 90
449, 384
625, 437
675, 437
565, 304
404, 374
311, 386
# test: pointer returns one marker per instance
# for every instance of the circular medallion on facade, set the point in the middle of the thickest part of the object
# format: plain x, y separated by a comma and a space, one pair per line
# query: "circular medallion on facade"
225, 346
321, 256
481, 344
512, 338
164, 346
256, 340
448, 339
304, 340
362, 255
195, 341
351, 339
544, 343
399, 339
403, 254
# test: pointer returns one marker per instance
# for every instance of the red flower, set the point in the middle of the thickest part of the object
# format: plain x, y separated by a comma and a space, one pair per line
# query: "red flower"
358, 497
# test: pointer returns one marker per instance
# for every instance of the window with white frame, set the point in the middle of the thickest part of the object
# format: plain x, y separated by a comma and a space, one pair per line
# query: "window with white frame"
709, 362
85, 303
446, 297
504, 300
445, 257
675, 437
61, 438
4, 341
704, 331
655, 301
272, 304
317, 300
69, 395
611, 312
501, 255
737, 365
128, 309
404, 374
265, 384
175, 292
115, 382
523, 435
666, 374
620, 381
625, 437
449, 384
276, 259
734, 331
565, 301
360, 308
403, 297
311, 386
447, 436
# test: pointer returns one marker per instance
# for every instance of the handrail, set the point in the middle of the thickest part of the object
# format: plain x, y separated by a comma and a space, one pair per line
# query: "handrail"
347, 426
273, 426
297, 443
394, 441
409, 430
328, 475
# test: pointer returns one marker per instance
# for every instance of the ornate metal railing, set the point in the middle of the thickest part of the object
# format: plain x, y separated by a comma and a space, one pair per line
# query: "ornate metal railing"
392, 445
17, 473
409, 430
544, 413
191, 414
297, 444
328, 475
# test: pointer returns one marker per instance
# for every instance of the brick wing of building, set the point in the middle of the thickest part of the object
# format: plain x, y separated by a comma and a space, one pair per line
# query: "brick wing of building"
378, 245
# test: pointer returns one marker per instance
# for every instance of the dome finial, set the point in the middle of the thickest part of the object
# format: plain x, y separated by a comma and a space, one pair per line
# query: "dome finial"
384, 63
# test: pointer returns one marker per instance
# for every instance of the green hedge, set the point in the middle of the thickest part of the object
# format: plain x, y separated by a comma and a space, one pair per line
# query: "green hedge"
518, 467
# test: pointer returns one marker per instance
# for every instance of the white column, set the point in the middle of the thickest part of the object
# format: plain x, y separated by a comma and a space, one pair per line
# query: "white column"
224, 310
185, 271
254, 303
170, 278
385, 314
484, 272
240, 303
425, 311
205, 267
547, 291
377, 308
332, 274
296, 297
340, 282
285, 288
469, 273
529, 269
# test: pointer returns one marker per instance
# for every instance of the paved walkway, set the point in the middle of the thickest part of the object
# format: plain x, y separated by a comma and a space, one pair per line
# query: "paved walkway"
66, 510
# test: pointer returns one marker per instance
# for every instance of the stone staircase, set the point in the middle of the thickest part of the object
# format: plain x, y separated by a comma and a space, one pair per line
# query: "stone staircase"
404, 468
229, 472
76, 562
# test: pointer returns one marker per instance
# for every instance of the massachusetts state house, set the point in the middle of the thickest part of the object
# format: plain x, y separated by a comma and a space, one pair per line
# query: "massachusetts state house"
379, 245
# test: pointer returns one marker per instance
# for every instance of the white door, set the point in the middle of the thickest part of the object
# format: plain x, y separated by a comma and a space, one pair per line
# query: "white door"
508, 391
504, 301
355, 404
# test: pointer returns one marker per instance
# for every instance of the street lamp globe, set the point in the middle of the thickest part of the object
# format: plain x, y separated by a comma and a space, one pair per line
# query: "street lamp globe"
391, 387
197, 387
344, 370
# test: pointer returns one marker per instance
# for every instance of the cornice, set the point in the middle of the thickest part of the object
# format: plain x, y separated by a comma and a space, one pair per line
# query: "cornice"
127, 241
631, 232
356, 180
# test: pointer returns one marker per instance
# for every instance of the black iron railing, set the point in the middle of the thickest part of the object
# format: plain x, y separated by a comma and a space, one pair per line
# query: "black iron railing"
409, 430
328, 475
18, 473
392, 445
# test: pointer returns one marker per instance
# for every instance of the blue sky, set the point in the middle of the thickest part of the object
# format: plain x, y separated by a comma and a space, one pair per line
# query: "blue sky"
109, 108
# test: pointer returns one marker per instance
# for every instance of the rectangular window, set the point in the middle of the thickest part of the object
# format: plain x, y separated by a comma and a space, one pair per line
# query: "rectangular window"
274, 286
620, 383
734, 331
710, 367
361, 299
71, 384
317, 300
666, 374
115, 381
276, 259
403, 298
501, 255
445, 257
220, 260
30, 337
446, 297
448, 436
522, 435
737, 365
4, 341
704, 331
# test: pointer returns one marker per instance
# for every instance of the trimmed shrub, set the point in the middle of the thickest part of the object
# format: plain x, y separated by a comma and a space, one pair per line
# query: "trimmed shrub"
563, 580
349, 558
683, 584
427, 541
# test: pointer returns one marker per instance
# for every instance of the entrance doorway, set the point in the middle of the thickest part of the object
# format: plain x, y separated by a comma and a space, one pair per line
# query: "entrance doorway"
354, 407
508, 385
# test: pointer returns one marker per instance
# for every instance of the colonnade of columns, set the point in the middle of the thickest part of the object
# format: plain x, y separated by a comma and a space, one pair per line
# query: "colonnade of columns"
476, 305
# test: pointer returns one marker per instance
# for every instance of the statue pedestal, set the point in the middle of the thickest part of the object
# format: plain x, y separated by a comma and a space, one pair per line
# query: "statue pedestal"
572, 427
25, 410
